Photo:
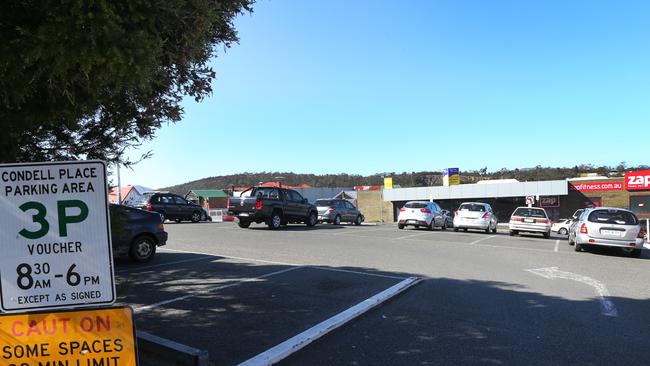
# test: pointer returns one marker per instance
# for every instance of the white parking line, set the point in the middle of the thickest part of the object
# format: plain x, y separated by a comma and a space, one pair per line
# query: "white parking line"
412, 236
480, 240
211, 289
359, 272
557, 245
294, 344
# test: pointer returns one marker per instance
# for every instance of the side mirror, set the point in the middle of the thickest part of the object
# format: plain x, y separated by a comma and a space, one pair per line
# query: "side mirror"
304, 200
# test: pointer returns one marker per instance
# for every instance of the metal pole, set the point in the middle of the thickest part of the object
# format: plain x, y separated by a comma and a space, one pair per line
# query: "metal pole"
119, 186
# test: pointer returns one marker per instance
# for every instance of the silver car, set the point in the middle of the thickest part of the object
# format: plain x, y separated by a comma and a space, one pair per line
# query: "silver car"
611, 227
530, 220
475, 215
336, 211
421, 214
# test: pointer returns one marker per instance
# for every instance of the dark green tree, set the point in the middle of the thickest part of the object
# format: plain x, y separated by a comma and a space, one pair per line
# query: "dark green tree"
87, 79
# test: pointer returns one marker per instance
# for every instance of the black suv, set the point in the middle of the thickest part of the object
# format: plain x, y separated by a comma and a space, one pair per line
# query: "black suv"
171, 207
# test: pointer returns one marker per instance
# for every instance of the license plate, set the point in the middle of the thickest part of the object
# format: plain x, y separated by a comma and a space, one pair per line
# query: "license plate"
320, 217
612, 233
413, 221
529, 220
243, 214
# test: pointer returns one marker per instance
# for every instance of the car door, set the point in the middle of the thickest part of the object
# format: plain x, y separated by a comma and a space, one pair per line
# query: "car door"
352, 211
169, 206
183, 207
302, 206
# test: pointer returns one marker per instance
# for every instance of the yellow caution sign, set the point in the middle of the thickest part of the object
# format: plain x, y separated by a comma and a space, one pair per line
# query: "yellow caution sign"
388, 183
98, 337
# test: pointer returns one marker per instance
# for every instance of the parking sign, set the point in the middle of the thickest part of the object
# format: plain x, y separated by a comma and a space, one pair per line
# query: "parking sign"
54, 236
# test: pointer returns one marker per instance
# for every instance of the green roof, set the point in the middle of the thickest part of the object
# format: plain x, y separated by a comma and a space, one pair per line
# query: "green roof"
209, 193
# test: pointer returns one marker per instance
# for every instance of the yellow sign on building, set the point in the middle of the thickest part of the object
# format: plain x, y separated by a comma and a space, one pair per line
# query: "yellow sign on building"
70, 338
388, 183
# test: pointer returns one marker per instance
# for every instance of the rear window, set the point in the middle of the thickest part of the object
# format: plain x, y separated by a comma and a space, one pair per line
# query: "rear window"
618, 217
529, 212
324, 202
416, 205
472, 207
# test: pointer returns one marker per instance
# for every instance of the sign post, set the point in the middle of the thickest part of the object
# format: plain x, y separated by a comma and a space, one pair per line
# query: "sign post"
530, 201
54, 236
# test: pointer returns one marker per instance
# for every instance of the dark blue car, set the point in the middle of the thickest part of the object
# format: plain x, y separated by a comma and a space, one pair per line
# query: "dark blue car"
136, 233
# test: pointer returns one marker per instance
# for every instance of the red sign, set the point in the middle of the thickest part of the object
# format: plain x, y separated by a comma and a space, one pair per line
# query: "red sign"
637, 181
549, 201
601, 186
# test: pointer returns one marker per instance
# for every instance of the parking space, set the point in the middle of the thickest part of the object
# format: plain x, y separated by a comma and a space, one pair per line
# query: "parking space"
240, 292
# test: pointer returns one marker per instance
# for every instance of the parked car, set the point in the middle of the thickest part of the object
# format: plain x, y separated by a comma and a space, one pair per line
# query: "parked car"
530, 220
421, 214
644, 225
611, 227
561, 226
273, 206
136, 233
475, 215
171, 207
335, 211
449, 218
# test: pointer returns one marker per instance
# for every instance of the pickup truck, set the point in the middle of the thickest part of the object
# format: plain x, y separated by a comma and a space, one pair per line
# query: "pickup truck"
272, 205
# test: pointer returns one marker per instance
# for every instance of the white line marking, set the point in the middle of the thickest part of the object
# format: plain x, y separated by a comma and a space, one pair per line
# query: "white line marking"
557, 245
290, 264
607, 306
480, 240
232, 257
211, 289
411, 236
292, 345
132, 269
358, 272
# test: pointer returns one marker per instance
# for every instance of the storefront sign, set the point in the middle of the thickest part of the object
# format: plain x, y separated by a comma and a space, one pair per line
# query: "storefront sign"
71, 338
388, 183
549, 201
601, 186
637, 181
54, 236
450, 177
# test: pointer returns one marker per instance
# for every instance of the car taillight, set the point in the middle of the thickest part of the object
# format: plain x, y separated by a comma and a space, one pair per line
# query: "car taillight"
425, 210
228, 203
641, 234
517, 219
542, 221
583, 229
149, 206
330, 209
402, 209
486, 215
258, 203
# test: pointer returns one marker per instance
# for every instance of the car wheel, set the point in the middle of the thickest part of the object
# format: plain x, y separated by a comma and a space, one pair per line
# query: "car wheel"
513, 233
571, 242
244, 224
142, 249
178, 221
547, 235
456, 229
275, 221
465, 229
444, 225
563, 231
358, 221
400, 226
487, 230
312, 220
196, 216
494, 231
337, 220
577, 247
635, 253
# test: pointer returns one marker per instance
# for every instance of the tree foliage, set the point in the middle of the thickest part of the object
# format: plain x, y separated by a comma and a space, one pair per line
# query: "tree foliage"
87, 79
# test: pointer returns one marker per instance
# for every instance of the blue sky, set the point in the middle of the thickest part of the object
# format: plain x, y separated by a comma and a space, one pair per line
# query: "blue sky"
364, 86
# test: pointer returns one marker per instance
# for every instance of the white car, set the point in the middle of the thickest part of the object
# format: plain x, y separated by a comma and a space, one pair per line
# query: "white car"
561, 227
421, 214
608, 226
475, 215
530, 220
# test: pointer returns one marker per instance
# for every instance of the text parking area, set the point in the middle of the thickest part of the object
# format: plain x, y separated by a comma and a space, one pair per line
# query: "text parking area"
246, 310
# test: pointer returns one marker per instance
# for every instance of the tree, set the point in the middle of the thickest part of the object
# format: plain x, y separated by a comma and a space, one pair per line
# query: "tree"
88, 79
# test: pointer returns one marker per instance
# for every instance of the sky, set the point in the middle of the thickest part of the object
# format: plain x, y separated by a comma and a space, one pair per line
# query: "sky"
368, 86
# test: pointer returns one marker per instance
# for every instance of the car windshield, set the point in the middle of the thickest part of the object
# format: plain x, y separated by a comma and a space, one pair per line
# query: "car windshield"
529, 212
618, 217
322, 203
472, 207
416, 205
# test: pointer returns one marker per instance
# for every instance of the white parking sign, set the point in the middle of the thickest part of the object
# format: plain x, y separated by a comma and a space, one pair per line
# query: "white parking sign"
55, 248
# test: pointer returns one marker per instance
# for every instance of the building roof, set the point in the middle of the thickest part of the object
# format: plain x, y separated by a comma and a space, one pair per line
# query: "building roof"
208, 193
470, 191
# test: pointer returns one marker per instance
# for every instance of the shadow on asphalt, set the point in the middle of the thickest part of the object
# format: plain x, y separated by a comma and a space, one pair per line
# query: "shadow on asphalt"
441, 321
446, 321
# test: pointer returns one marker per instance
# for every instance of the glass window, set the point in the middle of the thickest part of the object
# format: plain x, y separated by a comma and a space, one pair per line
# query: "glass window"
322, 203
179, 201
472, 207
640, 204
350, 206
415, 205
267, 192
166, 199
618, 217
530, 212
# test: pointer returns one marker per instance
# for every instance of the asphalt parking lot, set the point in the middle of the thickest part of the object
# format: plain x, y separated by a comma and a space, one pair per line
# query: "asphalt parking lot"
483, 299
